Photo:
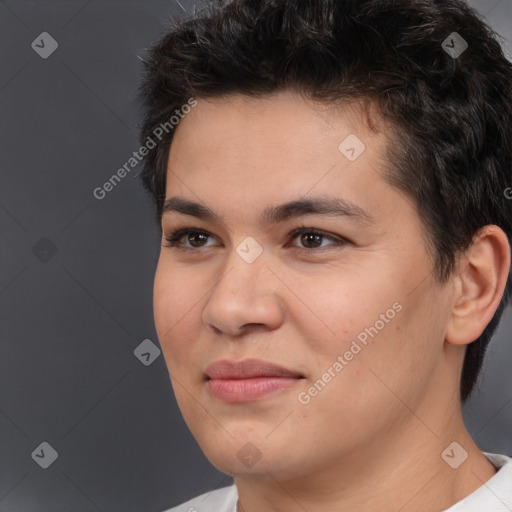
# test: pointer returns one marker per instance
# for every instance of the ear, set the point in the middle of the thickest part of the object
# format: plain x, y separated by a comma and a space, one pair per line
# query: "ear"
479, 283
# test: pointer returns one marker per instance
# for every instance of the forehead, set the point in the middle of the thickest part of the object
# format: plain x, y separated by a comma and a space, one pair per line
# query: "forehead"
274, 135
284, 118
245, 153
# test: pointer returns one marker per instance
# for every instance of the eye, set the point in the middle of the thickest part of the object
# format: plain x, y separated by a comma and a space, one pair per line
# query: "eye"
310, 238
192, 235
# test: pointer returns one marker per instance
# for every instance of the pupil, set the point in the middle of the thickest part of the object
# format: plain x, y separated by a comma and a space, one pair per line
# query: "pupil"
311, 238
194, 238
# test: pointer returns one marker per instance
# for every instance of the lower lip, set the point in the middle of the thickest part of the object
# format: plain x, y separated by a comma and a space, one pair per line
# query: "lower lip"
248, 390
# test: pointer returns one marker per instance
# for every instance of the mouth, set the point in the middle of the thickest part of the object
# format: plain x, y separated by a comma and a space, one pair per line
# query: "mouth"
248, 380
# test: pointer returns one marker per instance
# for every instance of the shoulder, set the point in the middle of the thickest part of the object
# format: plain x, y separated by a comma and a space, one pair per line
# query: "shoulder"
221, 500
495, 495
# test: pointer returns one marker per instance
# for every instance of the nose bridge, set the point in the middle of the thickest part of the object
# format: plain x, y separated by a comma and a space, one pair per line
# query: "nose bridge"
243, 270
243, 295
244, 264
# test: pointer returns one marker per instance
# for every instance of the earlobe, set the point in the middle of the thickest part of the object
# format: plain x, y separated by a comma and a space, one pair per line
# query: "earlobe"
480, 282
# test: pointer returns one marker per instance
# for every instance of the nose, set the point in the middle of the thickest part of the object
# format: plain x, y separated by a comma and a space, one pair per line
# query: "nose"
246, 297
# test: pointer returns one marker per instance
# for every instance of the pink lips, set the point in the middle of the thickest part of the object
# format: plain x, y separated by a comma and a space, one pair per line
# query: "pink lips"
248, 380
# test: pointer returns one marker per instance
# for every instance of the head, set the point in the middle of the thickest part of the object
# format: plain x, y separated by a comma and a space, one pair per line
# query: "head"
278, 102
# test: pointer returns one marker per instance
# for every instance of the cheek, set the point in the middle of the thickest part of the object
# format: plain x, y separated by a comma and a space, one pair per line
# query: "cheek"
175, 299
349, 306
369, 319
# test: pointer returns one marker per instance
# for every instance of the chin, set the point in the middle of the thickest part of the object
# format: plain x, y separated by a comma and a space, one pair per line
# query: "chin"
250, 459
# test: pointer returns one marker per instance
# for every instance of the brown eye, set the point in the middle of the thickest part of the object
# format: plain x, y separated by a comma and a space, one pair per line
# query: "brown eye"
309, 239
312, 239
194, 237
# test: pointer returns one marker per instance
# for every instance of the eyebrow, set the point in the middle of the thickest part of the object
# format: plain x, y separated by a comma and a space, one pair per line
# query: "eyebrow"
335, 207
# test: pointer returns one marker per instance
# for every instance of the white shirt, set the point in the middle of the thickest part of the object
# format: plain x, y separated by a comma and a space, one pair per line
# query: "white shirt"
495, 495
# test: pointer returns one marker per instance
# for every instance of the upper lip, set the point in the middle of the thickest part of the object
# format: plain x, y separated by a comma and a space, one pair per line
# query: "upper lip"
246, 369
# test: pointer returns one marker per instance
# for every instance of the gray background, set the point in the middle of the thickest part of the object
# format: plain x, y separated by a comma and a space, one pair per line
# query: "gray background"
71, 319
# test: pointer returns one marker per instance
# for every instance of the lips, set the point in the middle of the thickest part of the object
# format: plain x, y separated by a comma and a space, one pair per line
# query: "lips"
248, 369
248, 380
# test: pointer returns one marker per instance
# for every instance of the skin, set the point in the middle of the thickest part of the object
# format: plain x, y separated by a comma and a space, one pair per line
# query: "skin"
374, 435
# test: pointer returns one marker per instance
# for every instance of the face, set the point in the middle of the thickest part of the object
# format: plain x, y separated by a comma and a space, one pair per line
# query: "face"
336, 288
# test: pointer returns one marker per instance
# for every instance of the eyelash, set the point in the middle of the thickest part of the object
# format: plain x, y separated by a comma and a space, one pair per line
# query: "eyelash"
173, 241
